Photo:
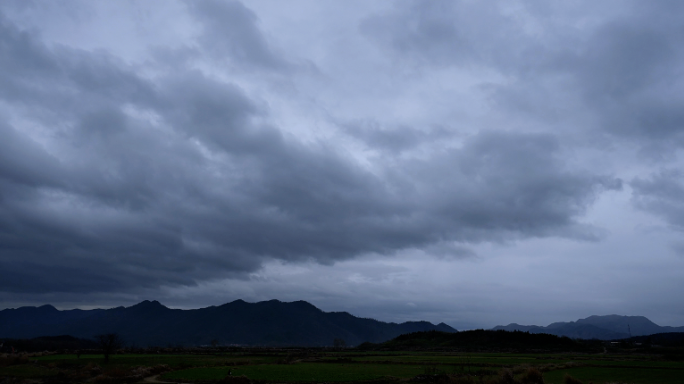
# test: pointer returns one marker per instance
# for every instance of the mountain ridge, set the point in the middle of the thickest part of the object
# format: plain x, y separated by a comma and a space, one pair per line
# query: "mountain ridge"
265, 323
603, 327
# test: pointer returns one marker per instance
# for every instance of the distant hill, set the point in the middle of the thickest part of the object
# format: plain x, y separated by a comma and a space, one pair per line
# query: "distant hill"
485, 340
149, 323
610, 327
672, 339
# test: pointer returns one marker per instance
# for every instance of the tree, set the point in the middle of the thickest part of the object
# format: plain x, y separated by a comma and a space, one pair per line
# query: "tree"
109, 342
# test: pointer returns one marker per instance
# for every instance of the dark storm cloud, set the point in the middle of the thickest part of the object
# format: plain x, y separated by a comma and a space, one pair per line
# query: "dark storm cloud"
396, 139
625, 67
62, 83
23, 162
231, 32
455, 33
663, 194
111, 181
629, 73
508, 183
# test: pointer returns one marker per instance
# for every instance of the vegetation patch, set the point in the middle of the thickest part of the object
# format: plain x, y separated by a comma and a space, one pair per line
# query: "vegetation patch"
26, 370
173, 361
600, 375
323, 365
303, 372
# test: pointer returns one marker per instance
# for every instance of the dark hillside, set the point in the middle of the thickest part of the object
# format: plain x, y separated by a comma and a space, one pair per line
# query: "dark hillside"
149, 323
675, 339
486, 340
609, 327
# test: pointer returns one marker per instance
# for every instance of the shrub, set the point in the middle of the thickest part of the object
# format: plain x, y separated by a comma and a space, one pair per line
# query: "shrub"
506, 377
532, 376
8, 360
117, 372
518, 369
102, 379
92, 368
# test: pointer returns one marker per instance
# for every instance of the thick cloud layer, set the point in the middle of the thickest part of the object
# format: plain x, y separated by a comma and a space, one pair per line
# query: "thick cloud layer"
253, 138
621, 60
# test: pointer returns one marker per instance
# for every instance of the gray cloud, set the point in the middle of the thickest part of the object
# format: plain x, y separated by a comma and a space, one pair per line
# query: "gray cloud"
193, 184
24, 162
663, 194
458, 33
441, 133
395, 139
231, 32
624, 68
509, 183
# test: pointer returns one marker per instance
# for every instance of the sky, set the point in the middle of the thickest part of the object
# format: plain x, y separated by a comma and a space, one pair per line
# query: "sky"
468, 162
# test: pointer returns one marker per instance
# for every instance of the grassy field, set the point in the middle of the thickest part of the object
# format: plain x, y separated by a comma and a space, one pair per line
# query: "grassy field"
26, 371
347, 366
613, 375
301, 372
173, 361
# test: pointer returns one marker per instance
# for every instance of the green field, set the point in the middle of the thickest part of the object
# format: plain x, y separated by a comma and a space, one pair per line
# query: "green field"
302, 366
621, 375
312, 372
173, 361
26, 371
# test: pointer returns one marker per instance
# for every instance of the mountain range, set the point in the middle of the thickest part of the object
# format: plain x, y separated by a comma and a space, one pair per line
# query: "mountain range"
266, 323
610, 327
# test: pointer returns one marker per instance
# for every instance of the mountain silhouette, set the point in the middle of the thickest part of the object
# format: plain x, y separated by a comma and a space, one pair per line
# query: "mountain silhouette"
266, 323
609, 327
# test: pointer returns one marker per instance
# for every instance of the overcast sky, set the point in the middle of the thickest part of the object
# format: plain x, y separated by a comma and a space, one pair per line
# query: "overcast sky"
472, 162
